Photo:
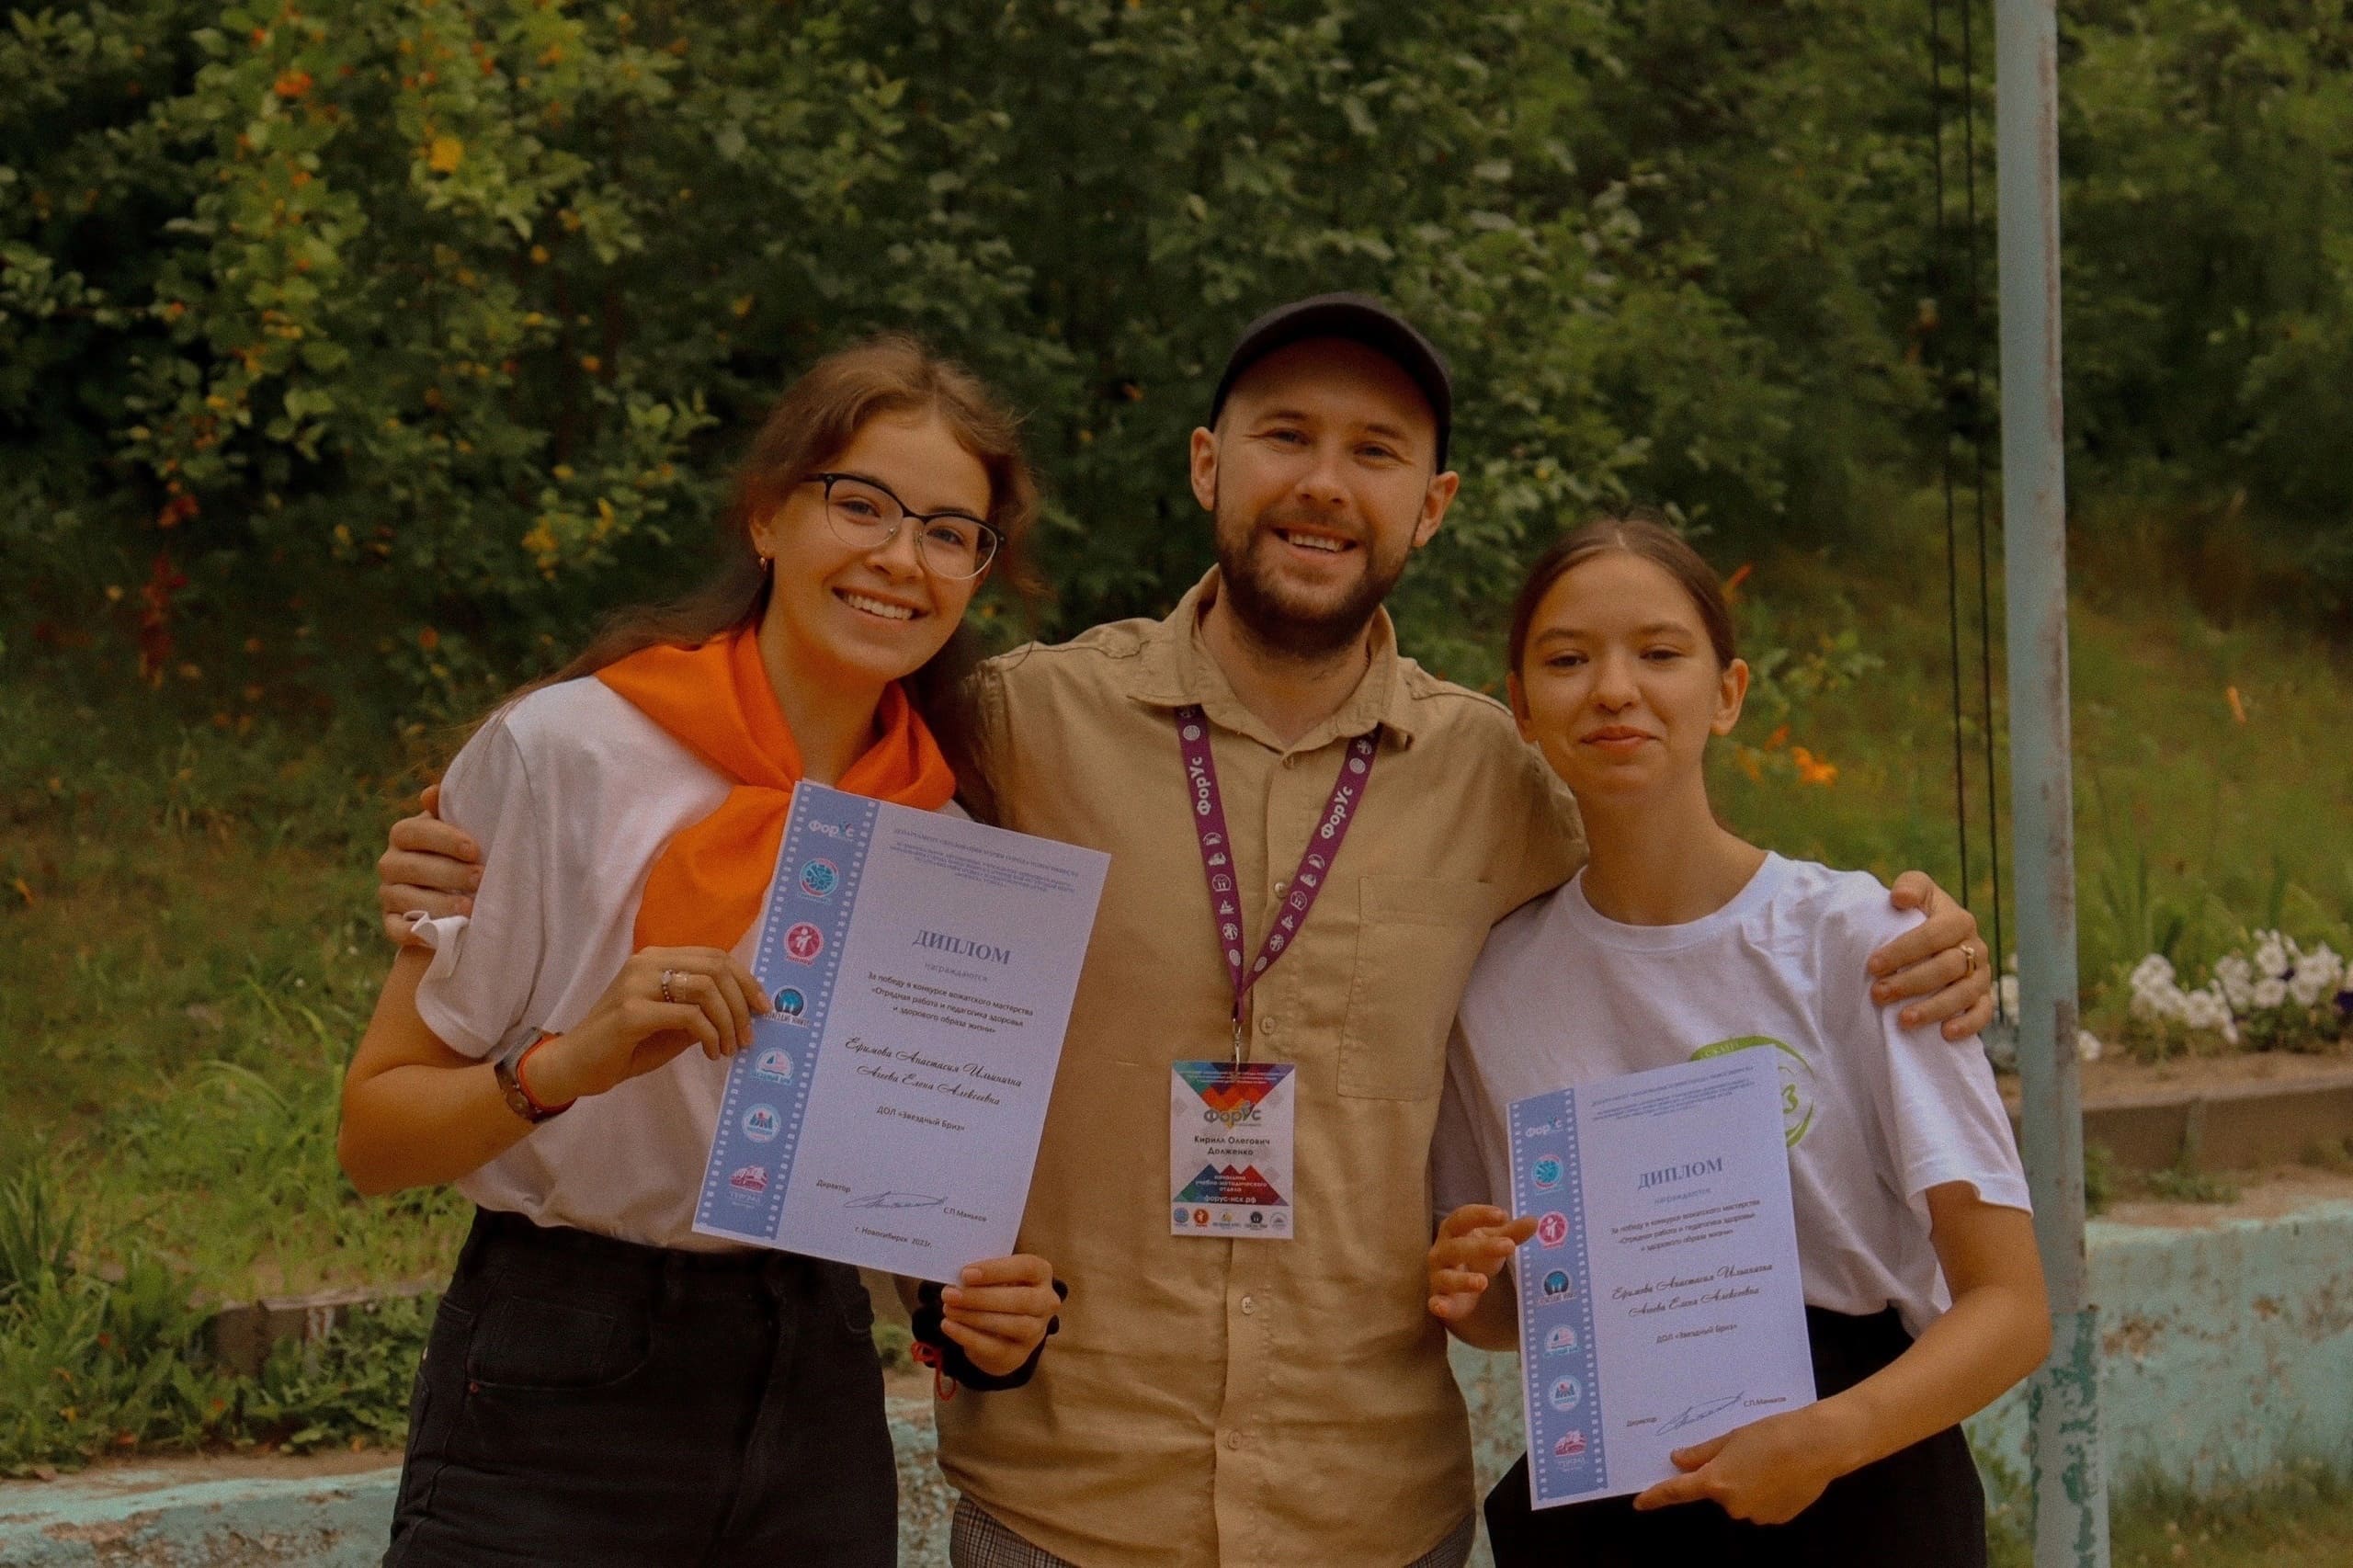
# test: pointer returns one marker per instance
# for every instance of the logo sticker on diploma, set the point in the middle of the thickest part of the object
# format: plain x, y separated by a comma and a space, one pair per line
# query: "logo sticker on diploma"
804, 943
774, 1065
761, 1124
750, 1180
1557, 1287
820, 878
1559, 1340
791, 1003
1547, 1172
1568, 1446
1566, 1394
1553, 1230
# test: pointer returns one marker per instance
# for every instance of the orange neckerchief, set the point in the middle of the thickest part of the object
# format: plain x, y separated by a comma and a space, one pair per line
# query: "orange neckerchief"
707, 887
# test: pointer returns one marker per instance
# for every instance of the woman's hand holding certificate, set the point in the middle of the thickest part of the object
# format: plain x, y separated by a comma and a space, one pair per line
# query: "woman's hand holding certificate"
665, 1001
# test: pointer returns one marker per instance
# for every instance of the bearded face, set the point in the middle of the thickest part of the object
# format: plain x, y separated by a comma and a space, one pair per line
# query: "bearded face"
1319, 476
1290, 601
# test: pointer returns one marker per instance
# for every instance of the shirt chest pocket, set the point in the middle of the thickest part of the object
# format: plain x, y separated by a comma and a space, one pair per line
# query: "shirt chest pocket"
1416, 939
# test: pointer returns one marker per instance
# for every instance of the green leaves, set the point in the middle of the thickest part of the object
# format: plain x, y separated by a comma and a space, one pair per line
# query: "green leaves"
453, 315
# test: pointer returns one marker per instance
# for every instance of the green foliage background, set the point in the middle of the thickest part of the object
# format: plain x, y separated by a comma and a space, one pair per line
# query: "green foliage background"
412, 331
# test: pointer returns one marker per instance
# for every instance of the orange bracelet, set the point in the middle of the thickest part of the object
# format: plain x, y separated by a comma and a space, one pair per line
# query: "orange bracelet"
540, 1111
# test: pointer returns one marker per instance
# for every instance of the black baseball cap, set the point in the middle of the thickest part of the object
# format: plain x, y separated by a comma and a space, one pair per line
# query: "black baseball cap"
1360, 318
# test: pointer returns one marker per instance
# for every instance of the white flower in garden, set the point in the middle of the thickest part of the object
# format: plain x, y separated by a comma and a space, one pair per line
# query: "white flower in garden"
2318, 975
2009, 994
2235, 977
2087, 1046
2270, 994
2271, 954
2310, 983
2205, 1008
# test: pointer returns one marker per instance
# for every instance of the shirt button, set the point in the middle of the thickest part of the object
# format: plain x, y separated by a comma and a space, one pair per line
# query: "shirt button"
1267, 1026
1282, 888
1249, 1305
1234, 1440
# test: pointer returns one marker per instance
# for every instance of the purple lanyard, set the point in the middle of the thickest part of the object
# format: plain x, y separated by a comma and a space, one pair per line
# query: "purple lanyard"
1322, 848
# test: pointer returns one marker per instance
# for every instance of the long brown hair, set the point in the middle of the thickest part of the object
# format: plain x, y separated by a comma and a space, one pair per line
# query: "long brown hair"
1638, 531
818, 416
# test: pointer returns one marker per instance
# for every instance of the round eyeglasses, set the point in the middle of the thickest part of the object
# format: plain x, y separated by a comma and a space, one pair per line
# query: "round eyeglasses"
865, 515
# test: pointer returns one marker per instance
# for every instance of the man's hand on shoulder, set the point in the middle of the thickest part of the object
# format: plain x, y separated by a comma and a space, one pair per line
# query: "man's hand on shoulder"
427, 867
1941, 966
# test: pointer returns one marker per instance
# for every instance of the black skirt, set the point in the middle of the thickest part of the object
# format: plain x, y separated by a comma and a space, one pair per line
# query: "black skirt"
1921, 1506
603, 1404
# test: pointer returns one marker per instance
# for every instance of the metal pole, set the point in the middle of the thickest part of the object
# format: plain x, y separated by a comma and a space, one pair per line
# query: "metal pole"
2070, 1479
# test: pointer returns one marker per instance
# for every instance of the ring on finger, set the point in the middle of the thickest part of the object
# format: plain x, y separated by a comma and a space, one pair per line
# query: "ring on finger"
666, 996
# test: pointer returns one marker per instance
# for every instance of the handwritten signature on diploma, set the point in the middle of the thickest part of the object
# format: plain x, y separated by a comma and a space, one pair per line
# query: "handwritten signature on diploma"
1694, 1413
892, 1200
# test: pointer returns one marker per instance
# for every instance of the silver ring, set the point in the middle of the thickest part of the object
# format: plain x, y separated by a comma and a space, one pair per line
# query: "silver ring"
666, 987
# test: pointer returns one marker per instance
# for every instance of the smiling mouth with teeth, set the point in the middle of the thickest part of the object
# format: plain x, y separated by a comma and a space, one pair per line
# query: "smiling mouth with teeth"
875, 606
1327, 543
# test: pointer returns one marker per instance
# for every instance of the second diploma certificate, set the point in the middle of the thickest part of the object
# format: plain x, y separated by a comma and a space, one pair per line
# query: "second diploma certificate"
1660, 1303
922, 966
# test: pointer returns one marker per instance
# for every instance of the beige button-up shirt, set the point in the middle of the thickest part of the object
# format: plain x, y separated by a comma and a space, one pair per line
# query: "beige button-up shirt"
1250, 1401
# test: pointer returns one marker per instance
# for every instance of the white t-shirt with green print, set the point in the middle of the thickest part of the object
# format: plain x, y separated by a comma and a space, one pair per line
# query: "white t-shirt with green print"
1876, 1113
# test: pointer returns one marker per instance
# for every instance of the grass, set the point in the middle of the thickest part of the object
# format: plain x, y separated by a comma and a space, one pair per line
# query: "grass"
2301, 1520
2210, 775
2299, 1517
182, 916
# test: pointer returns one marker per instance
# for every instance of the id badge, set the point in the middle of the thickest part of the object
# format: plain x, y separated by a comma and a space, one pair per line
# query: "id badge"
1230, 1149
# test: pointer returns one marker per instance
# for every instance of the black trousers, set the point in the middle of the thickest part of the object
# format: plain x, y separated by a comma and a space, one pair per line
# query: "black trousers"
1920, 1508
589, 1402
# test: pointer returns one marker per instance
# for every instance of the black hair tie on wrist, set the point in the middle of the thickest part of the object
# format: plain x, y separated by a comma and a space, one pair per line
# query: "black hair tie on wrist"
947, 1359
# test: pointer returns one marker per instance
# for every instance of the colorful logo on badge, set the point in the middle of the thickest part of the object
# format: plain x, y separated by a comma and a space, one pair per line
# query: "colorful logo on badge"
804, 943
1557, 1287
1553, 1230
791, 1003
1561, 1340
820, 878
1183, 1214
761, 1124
1257, 1217
774, 1065
750, 1179
1547, 1172
1200, 1216
1568, 1446
1566, 1394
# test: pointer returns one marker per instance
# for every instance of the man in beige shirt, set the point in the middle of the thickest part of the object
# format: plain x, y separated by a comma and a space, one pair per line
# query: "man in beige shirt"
1219, 1400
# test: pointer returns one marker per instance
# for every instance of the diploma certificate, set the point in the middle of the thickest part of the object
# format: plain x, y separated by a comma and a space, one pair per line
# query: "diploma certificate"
1660, 1303
922, 966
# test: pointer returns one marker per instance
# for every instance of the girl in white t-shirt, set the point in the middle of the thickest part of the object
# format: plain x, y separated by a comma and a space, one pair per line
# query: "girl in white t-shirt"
1679, 939
602, 1384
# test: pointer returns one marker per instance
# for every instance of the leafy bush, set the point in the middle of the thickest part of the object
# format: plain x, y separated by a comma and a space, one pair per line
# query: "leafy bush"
408, 335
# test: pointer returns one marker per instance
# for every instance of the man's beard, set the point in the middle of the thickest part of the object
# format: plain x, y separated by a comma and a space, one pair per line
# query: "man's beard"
1281, 626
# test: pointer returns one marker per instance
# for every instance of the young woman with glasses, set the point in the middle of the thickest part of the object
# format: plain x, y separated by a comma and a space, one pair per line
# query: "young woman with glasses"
602, 1384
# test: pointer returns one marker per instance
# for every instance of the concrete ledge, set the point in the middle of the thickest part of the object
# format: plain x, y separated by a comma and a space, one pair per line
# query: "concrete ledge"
2226, 1127
2226, 1348
156, 1516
